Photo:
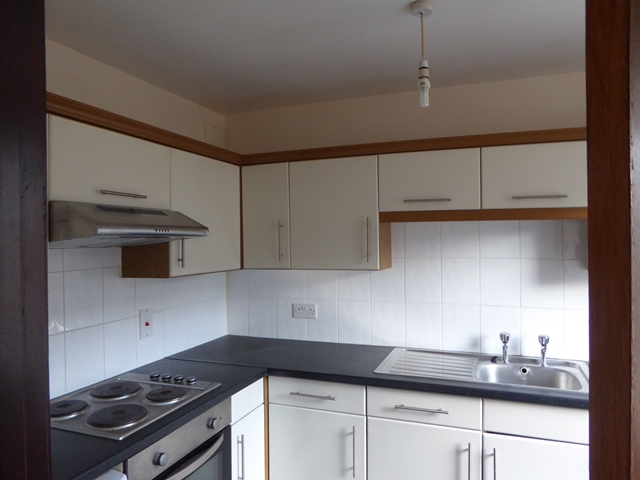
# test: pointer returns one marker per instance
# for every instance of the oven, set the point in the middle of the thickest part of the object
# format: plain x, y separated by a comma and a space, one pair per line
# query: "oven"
199, 450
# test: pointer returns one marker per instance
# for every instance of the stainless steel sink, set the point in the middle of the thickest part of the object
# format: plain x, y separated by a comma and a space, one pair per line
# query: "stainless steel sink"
531, 376
481, 368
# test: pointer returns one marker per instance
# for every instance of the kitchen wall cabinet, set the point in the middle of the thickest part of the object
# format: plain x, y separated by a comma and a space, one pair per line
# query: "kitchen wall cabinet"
248, 436
265, 216
535, 176
208, 191
85, 160
411, 434
323, 439
334, 215
434, 180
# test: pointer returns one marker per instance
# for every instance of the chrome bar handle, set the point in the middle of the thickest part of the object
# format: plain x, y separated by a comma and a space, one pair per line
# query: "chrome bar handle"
181, 257
538, 197
123, 194
280, 254
354, 452
240, 445
495, 465
420, 409
368, 243
318, 397
427, 200
469, 461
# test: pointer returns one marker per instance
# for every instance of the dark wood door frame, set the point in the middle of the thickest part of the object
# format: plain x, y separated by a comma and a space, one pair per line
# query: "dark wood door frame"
613, 129
24, 401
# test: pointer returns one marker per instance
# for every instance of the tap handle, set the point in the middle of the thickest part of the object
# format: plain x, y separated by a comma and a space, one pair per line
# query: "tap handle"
504, 337
544, 340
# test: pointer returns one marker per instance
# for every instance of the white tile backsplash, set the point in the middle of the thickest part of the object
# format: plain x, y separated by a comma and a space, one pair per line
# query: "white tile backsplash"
93, 316
452, 285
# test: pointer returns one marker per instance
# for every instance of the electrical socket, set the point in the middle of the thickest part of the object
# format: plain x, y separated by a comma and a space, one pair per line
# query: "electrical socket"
146, 323
305, 310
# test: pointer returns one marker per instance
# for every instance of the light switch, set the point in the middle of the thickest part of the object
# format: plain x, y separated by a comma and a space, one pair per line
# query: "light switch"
146, 323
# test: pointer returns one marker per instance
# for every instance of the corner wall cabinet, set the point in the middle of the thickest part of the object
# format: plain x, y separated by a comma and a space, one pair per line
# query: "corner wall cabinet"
84, 161
265, 216
248, 436
434, 180
317, 430
550, 175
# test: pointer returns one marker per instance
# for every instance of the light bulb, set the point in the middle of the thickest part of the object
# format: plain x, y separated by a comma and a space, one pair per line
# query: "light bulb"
424, 84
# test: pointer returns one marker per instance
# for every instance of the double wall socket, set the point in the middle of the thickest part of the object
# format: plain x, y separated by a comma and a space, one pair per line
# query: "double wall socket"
305, 310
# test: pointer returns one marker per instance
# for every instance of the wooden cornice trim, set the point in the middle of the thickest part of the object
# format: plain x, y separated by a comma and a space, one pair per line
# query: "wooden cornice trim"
445, 143
74, 110
485, 215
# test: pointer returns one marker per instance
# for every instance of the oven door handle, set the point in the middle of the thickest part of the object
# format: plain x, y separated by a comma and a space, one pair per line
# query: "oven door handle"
200, 460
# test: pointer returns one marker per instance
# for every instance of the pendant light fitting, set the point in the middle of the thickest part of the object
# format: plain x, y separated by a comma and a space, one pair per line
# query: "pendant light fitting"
422, 8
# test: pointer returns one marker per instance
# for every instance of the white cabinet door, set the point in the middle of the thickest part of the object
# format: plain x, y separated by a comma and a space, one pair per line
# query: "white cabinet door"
315, 445
507, 458
414, 451
334, 214
551, 175
248, 447
83, 160
435, 180
265, 212
209, 192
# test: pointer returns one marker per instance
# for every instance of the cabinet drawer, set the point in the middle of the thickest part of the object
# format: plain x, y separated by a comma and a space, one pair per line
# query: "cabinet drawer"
333, 397
437, 180
245, 401
550, 175
537, 421
422, 407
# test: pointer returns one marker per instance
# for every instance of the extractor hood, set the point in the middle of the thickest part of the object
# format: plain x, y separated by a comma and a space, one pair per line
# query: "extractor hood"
78, 224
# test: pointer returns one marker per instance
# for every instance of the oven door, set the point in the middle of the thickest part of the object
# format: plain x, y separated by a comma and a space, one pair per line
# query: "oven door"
210, 461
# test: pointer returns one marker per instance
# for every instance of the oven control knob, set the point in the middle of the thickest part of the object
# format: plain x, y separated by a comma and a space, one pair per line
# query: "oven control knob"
160, 459
178, 378
154, 376
166, 377
191, 380
213, 423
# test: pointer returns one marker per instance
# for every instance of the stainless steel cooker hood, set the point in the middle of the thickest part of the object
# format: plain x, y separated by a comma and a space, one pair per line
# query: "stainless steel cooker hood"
77, 224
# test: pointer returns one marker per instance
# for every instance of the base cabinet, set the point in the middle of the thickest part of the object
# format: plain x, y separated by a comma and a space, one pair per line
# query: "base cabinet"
247, 448
315, 445
413, 451
507, 457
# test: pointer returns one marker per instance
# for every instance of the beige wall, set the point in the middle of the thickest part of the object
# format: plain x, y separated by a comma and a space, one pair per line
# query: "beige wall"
86, 80
556, 101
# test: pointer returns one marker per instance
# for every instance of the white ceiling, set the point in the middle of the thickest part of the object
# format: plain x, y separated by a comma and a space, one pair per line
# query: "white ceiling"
233, 56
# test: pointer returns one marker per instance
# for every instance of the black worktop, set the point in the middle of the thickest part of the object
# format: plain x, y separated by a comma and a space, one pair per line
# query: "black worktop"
354, 364
83, 457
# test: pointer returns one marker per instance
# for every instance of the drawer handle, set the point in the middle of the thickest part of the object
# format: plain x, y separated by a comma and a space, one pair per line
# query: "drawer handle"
309, 395
426, 200
123, 194
420, 409
538, 197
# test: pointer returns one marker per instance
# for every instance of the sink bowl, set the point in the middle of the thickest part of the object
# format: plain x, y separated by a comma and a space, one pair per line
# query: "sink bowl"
529, 375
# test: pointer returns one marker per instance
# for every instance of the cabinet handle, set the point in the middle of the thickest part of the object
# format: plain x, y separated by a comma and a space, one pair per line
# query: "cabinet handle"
240, 447
537, 197
280, 254
469, 461
495, 465
182, 251
420, 409
354, 452
427, 200
123, 194
368, 243
318, 397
